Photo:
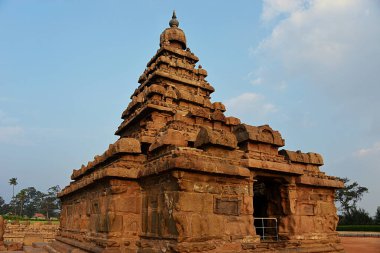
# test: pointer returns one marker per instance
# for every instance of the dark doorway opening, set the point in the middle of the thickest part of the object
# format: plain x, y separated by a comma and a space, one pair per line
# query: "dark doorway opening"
267, 207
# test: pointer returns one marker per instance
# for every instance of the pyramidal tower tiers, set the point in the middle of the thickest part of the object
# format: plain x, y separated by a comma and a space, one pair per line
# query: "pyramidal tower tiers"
183, 177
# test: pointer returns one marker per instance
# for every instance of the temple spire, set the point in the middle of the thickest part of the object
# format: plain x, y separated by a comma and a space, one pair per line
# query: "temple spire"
173, 36
174, 22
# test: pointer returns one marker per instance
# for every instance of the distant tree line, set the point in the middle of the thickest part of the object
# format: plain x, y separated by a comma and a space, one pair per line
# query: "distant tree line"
350, 213
29, 201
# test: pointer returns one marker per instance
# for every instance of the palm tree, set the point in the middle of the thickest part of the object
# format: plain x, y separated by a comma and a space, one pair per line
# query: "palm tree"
13, 182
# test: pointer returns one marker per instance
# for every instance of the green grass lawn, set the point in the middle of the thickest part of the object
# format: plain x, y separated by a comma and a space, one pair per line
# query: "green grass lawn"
365, 228
25, 220
43, 221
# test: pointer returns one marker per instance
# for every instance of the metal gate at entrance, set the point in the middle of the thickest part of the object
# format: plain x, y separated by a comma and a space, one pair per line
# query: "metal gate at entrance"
266, 228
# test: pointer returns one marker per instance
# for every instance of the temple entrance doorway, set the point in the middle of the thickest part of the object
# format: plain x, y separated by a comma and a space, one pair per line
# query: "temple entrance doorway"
267, 207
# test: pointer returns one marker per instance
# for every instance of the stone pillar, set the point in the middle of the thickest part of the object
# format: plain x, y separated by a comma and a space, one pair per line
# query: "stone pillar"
289, 204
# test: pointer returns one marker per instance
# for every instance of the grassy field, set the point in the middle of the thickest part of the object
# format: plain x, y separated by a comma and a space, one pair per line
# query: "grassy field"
369, 228
35, 221
43, 221
26, 220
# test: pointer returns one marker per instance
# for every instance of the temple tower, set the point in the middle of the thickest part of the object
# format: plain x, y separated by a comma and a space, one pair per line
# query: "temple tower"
183, 177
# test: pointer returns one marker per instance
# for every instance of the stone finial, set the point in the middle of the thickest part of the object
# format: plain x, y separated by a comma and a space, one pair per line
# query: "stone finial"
173, 36
174, 22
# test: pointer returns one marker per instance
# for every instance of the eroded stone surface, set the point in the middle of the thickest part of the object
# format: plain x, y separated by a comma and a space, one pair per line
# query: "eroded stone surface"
183, 177
27, 233
2, 231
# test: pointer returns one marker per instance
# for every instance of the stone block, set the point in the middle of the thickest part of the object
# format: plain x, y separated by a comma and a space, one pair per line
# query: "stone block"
227, 206
127, 145
306, 209
239, 226
326, 208
263, 134
127, 204
195, 202
209, 136
114, 222
131, 224
299, 157
29, 239
318, 196
247, 205
197, 229
183, 224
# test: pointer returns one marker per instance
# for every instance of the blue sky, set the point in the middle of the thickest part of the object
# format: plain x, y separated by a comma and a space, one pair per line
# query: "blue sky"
307, 68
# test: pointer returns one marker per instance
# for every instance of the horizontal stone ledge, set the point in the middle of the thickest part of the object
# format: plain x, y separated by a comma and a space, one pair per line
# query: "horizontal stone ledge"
152, 236
182, 159
122, 147
324, 182
98, 175
173, 50
304, 158
194, 162
198, 84
140, 112
81, 245
271, 166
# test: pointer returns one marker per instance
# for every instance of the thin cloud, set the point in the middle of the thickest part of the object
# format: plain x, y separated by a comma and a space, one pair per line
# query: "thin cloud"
365, 152
326, 41
274, 8
5, 119
10, 130
10, 134
257, 81
250, 105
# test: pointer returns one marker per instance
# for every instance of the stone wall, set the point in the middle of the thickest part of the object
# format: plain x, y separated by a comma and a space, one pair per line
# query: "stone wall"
27, 233
197, 212
107, 214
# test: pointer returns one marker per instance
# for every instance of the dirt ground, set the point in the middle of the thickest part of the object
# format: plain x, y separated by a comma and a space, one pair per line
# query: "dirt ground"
361, 244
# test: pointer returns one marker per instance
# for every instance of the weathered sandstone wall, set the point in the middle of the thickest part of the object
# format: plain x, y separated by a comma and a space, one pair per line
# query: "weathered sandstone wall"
27, 233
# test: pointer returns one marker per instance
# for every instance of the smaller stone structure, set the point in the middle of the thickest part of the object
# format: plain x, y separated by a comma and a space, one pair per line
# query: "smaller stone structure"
28, 233
2, 229
18, 235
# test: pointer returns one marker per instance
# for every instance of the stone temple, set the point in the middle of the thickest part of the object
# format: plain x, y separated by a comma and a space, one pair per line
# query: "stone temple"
183, 177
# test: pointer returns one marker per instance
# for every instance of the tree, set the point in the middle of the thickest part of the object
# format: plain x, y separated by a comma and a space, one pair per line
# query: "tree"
21, 196
51, 202
33, 201
2, 203
28, 201
13, 182
356, 217
349, 196
377, 216
4, 208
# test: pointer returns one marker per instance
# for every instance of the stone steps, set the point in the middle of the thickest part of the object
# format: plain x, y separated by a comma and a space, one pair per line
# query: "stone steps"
37, 247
